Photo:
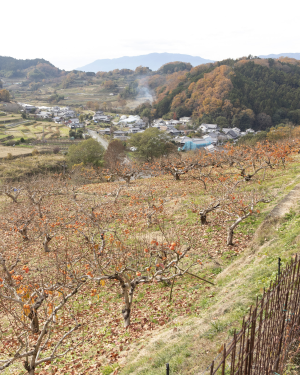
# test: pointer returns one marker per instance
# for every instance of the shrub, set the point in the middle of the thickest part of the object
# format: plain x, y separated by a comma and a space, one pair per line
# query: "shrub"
22, 140
86, 152
56, 150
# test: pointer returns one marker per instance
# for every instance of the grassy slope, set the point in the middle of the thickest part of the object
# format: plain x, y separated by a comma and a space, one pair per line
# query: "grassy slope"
22, 167
189, 344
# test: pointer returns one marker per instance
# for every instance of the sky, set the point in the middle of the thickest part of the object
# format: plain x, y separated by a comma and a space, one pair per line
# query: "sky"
71, 34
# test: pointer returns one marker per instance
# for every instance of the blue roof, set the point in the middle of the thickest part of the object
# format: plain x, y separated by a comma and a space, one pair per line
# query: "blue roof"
190, 145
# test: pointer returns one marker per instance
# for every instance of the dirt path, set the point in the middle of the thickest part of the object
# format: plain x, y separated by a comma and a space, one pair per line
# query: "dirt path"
288, 202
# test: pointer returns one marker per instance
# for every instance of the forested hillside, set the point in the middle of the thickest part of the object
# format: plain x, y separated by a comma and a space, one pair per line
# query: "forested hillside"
246, 93
249, 92
32, 68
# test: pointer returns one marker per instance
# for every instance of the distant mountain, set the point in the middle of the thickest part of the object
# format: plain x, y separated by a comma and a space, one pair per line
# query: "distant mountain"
153, 61
276, 56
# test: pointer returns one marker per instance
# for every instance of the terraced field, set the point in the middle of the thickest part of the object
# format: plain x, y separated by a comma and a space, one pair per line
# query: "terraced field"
37, 130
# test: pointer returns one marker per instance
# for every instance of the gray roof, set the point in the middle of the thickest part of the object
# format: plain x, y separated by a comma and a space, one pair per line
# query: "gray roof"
210, 126
232, 134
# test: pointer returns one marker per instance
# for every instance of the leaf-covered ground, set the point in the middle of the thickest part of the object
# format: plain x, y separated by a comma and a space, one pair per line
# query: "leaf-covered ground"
104, 346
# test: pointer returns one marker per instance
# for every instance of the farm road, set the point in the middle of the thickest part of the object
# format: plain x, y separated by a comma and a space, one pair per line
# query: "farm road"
96, 136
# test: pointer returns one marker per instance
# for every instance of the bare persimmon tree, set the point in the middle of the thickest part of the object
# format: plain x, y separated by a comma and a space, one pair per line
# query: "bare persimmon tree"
37, 318
176, 164
12, 191
121, 251
240, 205
125, 169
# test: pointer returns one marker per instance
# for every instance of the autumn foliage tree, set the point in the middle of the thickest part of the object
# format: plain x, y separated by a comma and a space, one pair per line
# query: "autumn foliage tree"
4, 95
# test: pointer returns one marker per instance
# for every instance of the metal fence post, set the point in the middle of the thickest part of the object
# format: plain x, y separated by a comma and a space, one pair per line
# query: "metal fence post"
279, 264
168, 369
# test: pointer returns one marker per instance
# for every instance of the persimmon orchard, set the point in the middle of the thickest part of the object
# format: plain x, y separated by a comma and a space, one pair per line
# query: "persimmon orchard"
69, 249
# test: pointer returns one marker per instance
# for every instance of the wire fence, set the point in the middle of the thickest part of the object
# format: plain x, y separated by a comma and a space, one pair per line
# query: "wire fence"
262, 345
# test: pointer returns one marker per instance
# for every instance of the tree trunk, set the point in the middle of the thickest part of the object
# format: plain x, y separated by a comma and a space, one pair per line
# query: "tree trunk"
176, 176
74, 194
23, 232
126, 316
234, 225
203, 218
34, 321
204, 184
30, 370
127, 179
39, 209
230, 237
203, 214
46, 243
149, 219
128, 297
35, 324
12, 197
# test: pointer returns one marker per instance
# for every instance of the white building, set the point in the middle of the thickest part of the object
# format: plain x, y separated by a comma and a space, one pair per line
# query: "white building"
184, 120
207, 128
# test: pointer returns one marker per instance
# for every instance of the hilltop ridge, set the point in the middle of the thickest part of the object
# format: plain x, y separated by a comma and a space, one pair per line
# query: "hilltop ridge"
152, 60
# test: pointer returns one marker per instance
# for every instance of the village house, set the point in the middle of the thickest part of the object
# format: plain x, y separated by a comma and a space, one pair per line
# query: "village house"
29, 108
69, 114
231, 134
226, 130
237, 130
57, 120
208, 128
174, 132
135, 130
158, 126
105, 131
133, 120
119, 133
184, 120
44, 115
188, 144
158, 122
120, 137
102, 118
74, 120
141, 124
